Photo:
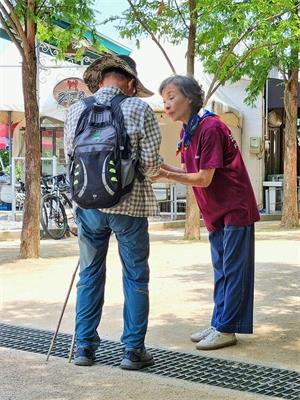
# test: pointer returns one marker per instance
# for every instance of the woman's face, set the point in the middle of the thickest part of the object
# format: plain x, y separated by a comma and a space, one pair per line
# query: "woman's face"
177, 106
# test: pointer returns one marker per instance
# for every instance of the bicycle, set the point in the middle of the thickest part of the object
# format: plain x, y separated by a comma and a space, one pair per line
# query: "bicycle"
20, 196
57, 216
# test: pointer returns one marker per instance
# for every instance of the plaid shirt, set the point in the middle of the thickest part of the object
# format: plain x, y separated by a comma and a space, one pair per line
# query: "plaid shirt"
142, 128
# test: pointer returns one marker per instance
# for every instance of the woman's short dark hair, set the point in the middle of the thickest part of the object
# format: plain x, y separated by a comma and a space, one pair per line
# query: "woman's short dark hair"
188, 86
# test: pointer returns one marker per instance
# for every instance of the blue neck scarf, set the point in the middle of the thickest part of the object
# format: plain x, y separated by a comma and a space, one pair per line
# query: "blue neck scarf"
190, 128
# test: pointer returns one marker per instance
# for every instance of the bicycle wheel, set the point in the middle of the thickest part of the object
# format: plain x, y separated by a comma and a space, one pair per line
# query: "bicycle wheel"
72, 226
53, 217
44, 220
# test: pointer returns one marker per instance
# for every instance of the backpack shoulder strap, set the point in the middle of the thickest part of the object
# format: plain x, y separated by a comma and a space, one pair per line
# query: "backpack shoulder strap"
117, 100
88, 102
117, 111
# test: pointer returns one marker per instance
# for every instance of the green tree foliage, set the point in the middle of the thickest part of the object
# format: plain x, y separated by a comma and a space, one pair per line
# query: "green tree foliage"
160, 20
153, 17
4, 154
247, 38
62, 23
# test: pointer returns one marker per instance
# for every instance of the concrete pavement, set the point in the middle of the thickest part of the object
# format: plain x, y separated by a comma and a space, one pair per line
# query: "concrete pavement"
32, 293
27, 376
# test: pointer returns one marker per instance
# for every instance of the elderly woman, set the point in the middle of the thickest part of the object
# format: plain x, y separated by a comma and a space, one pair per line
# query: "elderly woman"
213, 166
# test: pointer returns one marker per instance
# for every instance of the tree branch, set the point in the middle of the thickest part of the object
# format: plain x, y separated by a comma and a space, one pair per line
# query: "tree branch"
286, 99
16, 20
148, 30
284, 74
181, 15
11, 35
190, 66
8, 17
31, 25
40, 7
232, 70
250, 29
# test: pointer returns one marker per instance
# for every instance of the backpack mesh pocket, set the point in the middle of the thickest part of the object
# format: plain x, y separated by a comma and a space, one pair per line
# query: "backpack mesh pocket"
97, 180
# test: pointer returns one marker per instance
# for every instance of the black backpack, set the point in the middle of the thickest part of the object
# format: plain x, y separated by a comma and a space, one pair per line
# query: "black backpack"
101, 169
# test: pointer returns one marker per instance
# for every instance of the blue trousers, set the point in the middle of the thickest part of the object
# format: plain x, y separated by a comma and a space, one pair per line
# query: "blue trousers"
232, 252
94, 230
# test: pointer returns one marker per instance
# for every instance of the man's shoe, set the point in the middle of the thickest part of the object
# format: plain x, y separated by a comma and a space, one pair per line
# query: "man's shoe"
84, 356
216, 340
136, 359
197, 336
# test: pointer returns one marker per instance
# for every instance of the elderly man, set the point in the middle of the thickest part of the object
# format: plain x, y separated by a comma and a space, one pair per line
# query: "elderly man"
108, 77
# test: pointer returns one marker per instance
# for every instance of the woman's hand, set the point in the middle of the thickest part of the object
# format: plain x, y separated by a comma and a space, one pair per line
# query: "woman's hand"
162, 174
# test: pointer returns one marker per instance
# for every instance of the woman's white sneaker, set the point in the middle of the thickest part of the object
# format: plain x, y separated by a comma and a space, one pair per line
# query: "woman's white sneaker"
197, 336
216, 340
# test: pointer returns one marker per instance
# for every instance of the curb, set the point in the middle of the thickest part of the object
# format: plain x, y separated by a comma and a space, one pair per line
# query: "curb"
10, 235
153, 226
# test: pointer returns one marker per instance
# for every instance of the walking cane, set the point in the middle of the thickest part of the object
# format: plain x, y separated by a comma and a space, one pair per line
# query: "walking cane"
61, 316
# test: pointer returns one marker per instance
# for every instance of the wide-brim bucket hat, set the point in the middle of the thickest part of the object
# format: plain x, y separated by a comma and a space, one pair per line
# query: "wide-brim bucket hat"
94, 72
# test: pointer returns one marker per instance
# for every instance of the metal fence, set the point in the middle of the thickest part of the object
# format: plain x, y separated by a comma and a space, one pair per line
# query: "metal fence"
171, 199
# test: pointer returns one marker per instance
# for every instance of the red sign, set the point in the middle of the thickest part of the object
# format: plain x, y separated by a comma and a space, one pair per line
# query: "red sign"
70, 90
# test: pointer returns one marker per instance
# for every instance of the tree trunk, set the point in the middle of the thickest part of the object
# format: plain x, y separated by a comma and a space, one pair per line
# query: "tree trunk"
289, 217
190, 65
192, 215
30, 236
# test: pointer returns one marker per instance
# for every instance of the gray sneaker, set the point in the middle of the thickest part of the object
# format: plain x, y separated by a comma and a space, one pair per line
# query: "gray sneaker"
136, 359
84, 356
216, 340
197, 336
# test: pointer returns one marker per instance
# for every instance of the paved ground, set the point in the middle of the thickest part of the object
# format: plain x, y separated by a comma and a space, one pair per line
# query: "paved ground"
32, 293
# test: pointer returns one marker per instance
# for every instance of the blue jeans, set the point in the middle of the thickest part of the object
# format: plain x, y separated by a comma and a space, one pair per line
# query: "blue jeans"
94, 230
232, 252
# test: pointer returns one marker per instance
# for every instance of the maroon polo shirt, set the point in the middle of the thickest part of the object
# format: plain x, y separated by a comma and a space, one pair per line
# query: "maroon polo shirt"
229, 199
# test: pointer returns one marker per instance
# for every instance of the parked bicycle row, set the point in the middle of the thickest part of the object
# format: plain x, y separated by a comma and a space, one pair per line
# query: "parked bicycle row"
57, 214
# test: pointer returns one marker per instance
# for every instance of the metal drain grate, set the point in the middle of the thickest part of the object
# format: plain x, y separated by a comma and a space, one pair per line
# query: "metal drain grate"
212, 371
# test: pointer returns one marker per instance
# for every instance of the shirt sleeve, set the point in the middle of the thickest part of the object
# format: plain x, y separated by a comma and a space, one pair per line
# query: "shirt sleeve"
211, 148
149, 144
